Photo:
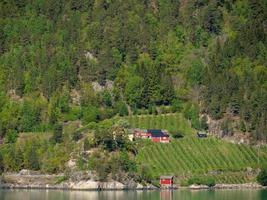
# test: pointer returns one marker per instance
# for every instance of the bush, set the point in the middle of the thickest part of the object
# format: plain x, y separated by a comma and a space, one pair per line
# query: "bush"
106, 113
73, 114
177, 134
176, 105
144, 174
121, 108
106, 98
209, 181
77, 136
262, 177
90, 114
62, 179
11, 136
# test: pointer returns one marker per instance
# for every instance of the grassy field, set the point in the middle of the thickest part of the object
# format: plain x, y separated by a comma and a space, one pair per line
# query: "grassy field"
191, 156
170, 122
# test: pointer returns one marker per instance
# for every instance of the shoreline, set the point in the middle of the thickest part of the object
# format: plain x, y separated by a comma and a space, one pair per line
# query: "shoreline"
246, 186
53, 182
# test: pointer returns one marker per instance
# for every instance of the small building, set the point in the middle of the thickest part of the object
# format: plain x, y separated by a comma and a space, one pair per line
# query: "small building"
155, 135
166, 181
202, 134
140, 133
159, 136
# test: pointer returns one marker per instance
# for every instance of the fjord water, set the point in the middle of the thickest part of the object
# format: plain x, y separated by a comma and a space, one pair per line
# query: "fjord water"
133, 195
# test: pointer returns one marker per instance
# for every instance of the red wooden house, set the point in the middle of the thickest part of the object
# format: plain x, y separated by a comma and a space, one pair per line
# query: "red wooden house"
154, 134
159, 136
166, 181
139, 133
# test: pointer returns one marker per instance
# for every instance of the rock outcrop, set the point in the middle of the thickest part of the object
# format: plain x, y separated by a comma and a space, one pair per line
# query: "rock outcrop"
239, 186
78, 181
198, 187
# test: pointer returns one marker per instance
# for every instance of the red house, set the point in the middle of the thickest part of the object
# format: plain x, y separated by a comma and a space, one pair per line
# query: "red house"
159, 136
154, 134
139, 133
166, 181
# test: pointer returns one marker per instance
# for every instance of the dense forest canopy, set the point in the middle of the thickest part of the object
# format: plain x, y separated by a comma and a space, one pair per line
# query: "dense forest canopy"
208, 54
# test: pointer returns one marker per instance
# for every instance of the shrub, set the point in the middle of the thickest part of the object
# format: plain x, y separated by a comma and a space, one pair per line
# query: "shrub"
262, 177
11, 136
121, 108
123, 123
77, 136
106, 98
209, 181
90, 114
194, 180
176, 105
177, 135
99, 162
106, 113
73, 114
144, 174
62, 179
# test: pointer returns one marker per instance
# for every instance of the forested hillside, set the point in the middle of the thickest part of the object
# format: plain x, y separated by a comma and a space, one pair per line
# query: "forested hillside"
193, 56
89, 60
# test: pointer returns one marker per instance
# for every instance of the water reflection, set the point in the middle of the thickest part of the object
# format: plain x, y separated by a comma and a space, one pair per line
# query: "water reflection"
133, 195
166, 195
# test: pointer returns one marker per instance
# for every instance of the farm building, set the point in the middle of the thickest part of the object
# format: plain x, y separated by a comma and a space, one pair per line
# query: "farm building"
155, 135
202, 134
140, 133
166, 181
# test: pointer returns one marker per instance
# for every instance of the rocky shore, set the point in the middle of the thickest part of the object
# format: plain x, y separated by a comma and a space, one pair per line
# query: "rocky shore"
81, 185
228, 186
31, 180
25, 180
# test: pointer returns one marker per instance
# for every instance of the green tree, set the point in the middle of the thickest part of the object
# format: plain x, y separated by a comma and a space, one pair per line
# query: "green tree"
58, 133
30, 116
121, 108
133, 91
90, 114
262, 177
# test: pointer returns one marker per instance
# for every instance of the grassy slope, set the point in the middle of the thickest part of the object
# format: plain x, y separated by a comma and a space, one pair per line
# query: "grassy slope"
192, 156
171, 122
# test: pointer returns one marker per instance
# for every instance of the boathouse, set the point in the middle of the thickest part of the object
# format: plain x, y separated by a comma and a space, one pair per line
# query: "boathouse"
166, 181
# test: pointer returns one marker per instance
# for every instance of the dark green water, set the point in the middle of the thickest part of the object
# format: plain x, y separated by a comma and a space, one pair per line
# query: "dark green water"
133, 195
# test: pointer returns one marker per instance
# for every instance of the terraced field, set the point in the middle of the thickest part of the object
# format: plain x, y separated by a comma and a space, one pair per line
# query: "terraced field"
170, 122
193, 156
